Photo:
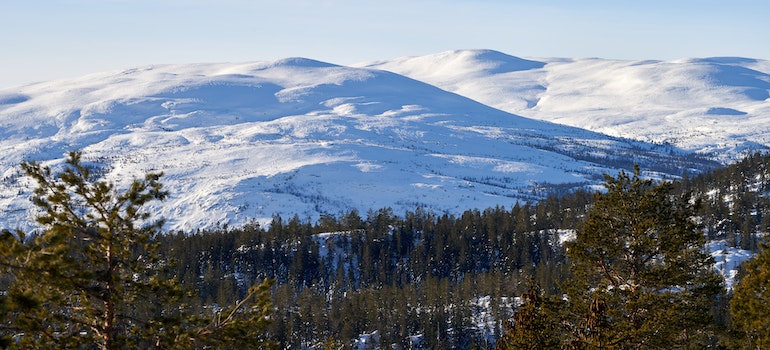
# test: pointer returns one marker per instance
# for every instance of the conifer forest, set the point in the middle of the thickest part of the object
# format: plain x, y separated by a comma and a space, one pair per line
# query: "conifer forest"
625, 267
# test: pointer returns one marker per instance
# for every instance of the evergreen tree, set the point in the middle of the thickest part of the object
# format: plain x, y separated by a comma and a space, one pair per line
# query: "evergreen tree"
642, 276
750, 305
86, 278
93, 277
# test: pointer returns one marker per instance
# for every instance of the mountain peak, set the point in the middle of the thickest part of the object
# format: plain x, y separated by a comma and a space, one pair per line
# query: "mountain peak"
478, 62
499, 62
302, 62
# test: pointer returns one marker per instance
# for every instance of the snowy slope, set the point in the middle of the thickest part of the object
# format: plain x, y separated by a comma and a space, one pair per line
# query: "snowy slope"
719, 106
246, 141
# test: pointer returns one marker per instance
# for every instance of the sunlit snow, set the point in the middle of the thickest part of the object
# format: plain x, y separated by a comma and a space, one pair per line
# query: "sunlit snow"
718, 106
245, 141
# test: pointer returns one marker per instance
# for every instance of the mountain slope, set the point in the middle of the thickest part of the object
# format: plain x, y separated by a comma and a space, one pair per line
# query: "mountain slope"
247, 141
715, 106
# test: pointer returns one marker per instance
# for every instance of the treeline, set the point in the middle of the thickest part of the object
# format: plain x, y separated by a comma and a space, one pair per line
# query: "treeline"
450, 280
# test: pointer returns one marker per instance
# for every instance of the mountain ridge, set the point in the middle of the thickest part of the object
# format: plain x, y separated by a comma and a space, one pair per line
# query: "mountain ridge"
654, 101
245, 141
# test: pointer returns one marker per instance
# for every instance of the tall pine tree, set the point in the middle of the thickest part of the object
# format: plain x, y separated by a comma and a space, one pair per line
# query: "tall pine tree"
93, 277
642, 276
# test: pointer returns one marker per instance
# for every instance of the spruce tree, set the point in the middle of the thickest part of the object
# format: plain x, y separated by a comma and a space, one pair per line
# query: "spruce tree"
642, 276
750, 305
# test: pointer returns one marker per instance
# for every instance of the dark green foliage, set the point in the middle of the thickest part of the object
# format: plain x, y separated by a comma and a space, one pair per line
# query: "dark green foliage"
93, 277
750, 305
422, 274
642, 276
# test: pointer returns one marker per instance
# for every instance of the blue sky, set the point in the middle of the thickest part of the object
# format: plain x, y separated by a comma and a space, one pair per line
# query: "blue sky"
52, 39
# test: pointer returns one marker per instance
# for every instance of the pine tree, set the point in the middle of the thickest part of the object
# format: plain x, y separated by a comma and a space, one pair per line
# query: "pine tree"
87, 277
93, 277
750, 305
642, 276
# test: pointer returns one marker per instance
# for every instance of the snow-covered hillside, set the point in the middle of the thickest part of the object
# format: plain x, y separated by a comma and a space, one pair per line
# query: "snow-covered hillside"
246, 141
719, 106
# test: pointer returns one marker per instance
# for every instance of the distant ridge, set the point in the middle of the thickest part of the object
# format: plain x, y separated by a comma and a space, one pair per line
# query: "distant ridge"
448, 132
657, 101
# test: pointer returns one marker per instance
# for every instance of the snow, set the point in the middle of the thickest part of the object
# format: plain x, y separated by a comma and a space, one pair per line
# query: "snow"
711, 105
367, 341
566, 236
483, 317
245, 141
728, 259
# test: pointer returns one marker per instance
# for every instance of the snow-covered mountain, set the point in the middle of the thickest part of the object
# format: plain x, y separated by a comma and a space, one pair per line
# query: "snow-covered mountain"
715, 106
246, 141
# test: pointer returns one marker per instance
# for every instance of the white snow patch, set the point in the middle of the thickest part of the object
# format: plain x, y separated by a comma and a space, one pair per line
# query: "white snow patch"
728, 259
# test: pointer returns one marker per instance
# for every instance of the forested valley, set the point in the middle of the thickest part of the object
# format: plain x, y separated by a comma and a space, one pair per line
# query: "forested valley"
428, 280
446, 279
440, 281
